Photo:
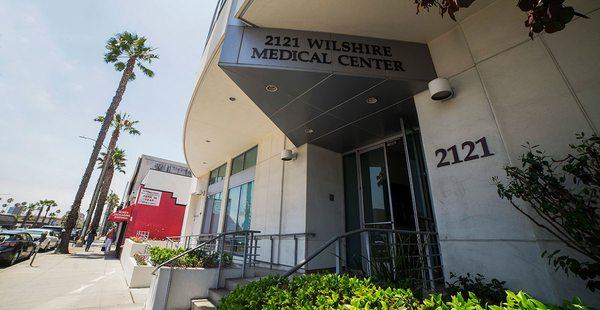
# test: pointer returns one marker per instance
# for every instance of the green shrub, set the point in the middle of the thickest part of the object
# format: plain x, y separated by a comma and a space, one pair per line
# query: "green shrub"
317, 292
197, 258
329, 291
489, 293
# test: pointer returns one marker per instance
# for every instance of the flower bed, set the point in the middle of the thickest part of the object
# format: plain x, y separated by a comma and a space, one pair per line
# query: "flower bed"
343, 292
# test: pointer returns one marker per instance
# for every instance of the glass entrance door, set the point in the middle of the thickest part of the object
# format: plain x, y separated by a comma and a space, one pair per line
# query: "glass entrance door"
376, 201
385, 186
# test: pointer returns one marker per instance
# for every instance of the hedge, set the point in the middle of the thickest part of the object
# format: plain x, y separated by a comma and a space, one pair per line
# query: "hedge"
330, 291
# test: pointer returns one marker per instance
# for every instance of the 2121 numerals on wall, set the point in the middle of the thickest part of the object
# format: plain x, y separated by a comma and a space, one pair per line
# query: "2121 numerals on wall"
469, 146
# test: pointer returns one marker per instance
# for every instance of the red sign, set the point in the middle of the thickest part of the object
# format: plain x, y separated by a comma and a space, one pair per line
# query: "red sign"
120, 216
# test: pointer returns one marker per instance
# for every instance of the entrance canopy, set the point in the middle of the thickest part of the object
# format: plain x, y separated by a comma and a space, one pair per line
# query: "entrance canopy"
122, 215
335, 91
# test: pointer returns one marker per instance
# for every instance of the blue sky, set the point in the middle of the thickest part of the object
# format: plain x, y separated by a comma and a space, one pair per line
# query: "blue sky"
53, 83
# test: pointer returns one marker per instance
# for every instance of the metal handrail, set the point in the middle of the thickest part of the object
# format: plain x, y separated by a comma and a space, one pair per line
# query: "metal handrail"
344, 235
245, 232
264, 236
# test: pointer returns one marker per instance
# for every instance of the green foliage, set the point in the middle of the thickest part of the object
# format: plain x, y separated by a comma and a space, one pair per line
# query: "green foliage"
194, 259
563, 196
128, 48
326, 291
542, 15
330, 291
489, 293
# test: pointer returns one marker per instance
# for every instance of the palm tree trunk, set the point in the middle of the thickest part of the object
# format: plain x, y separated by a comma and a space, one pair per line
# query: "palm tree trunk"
37, 218
108, 161
110, 114
45, 215
106, 165
101, 200
25, 218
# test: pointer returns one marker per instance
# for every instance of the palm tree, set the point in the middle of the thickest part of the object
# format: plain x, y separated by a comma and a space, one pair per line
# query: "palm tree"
48, 206
111, 204
125, 51
120, 123
44, 203
29, 208
117, 162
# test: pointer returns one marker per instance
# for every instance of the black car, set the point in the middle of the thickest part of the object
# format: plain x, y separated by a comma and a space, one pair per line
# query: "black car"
15, 245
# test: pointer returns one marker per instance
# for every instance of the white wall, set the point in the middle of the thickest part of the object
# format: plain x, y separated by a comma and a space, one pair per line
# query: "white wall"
510, 90
325, 177
177, 184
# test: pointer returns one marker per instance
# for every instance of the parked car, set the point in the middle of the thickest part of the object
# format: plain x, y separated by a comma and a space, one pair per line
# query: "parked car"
50, 242
15, 245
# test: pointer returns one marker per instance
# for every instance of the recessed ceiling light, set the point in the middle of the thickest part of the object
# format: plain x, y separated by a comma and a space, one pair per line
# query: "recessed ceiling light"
271, 88
231, 98
308, 130
371, 100
208, 141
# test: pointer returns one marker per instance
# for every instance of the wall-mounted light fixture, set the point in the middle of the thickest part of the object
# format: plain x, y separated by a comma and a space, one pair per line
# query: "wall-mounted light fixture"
440, 89
287, 155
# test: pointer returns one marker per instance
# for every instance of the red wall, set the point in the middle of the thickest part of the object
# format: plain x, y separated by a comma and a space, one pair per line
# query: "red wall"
161, 221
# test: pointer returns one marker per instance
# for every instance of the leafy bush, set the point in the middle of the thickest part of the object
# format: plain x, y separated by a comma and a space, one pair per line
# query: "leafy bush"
488, 293
330, 291
562, 196
194, 259
326, 291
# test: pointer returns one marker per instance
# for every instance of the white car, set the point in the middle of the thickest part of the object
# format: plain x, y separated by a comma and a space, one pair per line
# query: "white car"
50, 242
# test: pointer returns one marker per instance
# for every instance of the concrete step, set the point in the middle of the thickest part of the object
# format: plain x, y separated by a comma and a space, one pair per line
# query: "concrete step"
202, 304
215, 295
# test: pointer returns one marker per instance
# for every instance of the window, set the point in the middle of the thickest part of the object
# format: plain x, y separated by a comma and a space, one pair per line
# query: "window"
213, 211
239, 206
244, 160
217, 174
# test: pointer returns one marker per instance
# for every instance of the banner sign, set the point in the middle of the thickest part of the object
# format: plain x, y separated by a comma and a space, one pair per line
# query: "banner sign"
329, 52
149, 197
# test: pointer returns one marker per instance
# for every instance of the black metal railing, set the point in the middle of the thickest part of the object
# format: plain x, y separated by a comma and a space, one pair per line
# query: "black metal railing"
221, 246
400, 256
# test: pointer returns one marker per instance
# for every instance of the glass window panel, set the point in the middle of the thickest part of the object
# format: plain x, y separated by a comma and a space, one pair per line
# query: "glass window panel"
233, 202
244, 214
221, 172
375, 187
237, 164
250, 158
213, 177
213, 211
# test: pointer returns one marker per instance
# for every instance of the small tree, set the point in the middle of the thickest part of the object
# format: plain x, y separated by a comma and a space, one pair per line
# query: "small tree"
562, 196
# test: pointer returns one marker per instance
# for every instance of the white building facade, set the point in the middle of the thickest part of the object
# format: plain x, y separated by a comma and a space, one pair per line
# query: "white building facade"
343, 84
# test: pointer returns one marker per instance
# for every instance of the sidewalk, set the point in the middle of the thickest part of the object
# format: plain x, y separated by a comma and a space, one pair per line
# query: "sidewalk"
80, 280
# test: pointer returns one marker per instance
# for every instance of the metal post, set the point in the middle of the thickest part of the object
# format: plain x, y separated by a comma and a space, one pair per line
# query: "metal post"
338, 255
245, 255
221, 245
295, 250
271, 256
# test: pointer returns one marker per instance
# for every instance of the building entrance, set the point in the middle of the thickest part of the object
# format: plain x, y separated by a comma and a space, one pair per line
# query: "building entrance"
386, 190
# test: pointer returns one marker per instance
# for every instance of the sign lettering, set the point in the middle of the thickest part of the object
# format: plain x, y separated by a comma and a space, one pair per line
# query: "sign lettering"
469, 146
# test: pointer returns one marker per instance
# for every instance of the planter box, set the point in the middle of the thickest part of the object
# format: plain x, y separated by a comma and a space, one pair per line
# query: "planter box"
184, 285
136, 276
140, 277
